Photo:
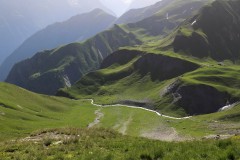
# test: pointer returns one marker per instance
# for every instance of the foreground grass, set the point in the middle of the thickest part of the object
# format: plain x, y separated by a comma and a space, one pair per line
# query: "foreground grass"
106, 144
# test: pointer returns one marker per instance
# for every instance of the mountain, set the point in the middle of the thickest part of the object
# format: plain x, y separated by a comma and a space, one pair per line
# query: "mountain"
18, 21
67, 64
178, 75
77, 28
214, 32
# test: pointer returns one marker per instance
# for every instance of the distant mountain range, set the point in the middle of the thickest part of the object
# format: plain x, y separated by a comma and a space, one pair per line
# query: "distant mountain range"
67, 32
77, 28
18, 21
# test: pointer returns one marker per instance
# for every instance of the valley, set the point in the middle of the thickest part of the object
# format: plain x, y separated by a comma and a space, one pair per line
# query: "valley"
53, 112
158, 82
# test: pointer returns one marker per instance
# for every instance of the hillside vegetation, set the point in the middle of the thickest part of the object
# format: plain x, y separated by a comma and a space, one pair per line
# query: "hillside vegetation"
101, 144
29, 130
22, 112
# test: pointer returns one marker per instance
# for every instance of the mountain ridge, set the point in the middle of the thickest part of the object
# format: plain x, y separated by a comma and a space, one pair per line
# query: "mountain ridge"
18, 21
77, 28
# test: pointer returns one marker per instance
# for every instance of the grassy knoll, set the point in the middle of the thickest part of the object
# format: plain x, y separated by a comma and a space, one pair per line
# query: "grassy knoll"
224, 78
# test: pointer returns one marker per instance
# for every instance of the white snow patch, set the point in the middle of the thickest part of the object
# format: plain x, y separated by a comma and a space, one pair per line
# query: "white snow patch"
67, 81
229, 106
167, 16
100, 54
194, 22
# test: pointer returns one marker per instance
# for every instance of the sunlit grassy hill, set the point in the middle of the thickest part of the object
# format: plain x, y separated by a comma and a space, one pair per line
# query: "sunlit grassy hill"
22, 112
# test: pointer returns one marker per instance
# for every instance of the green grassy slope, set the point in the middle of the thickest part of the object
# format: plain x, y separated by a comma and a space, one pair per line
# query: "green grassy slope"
22, 112
104, 144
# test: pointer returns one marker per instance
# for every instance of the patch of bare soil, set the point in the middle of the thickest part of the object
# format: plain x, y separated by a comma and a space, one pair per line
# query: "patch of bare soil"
224, 129
124, 127
99, 115
48, 135
165, 134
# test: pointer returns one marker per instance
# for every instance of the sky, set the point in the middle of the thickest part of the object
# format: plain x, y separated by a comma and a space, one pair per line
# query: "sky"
121, 6
118, 6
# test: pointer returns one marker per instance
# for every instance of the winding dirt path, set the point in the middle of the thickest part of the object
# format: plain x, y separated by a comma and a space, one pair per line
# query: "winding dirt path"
125, 125
99, 115
118, 105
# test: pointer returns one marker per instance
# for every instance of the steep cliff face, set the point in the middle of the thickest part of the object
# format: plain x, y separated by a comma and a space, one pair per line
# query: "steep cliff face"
63, 66
200, 99
162, 67
214, 32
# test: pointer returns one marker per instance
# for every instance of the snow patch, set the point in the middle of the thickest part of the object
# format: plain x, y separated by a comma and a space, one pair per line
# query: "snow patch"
100, 54
229, 106
194, 22
67, 81
167, 16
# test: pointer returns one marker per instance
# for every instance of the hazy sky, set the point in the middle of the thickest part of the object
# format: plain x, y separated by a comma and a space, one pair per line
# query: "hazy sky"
118, 6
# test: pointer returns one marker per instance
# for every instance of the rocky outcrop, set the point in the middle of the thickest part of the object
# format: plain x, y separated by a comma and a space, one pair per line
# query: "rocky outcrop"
200, 99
